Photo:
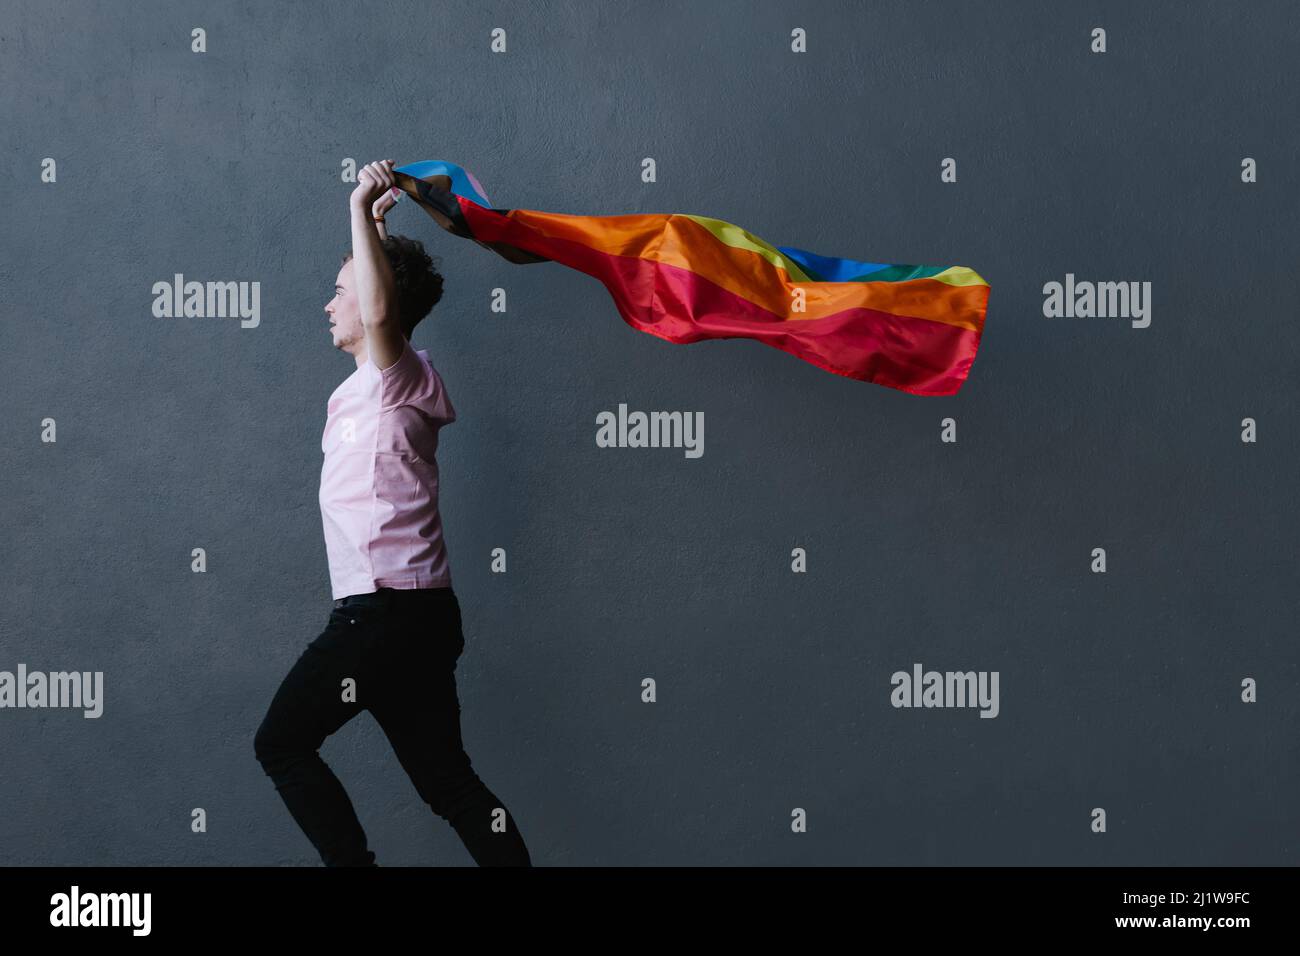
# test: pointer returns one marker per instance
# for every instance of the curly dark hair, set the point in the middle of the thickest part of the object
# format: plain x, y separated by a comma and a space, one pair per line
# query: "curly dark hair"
419, 283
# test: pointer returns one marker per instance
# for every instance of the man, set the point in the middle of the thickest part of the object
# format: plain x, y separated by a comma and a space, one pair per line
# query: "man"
392, 640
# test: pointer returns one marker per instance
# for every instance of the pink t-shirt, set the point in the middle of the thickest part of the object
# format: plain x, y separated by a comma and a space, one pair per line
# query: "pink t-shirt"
379, 482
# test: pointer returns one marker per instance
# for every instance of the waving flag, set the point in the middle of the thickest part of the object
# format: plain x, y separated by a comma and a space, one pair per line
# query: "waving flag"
687, 278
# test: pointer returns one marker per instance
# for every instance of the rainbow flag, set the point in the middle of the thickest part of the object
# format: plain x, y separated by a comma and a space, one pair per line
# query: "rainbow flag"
687, 278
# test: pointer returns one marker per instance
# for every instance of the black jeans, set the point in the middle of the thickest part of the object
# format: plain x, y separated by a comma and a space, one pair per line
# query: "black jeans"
399, 649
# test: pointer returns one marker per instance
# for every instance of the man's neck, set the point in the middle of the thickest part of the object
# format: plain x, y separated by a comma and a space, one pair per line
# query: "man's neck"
363, 354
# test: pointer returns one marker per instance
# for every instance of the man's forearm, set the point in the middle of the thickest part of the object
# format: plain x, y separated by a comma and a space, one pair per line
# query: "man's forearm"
376, 287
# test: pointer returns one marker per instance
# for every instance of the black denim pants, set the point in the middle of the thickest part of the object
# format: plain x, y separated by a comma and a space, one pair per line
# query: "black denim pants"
399, 648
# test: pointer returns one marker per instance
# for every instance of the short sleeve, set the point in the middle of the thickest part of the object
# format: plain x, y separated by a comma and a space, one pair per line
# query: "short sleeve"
405, 380
413, 381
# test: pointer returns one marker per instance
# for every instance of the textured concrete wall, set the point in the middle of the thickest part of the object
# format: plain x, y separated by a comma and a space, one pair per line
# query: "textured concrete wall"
1119, 690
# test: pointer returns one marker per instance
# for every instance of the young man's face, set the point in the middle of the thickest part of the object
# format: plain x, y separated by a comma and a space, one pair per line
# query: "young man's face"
345, 315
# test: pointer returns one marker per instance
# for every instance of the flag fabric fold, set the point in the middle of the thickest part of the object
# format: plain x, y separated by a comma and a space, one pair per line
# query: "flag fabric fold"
687, 278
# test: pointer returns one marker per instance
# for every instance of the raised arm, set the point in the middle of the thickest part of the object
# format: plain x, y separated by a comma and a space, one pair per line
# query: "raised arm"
376, 287
384, 203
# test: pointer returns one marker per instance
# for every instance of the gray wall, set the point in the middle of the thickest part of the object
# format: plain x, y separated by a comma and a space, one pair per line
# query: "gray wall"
1118, 690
